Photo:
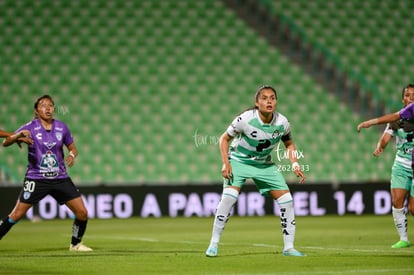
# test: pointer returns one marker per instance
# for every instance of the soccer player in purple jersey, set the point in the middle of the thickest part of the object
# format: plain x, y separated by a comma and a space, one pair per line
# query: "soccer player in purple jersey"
46, 171
399, 192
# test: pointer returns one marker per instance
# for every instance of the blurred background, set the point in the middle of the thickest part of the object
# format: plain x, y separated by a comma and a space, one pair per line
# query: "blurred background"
147, 87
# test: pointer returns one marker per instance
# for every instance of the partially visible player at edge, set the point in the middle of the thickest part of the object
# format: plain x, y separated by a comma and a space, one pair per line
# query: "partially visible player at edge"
46, 171
401, 125
19, 137
255, 133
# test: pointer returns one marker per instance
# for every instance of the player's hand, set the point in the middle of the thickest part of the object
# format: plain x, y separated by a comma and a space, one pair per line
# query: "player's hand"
70, 160
378, 151
227, 171
26, 140
24, 136
365, 124
299, 173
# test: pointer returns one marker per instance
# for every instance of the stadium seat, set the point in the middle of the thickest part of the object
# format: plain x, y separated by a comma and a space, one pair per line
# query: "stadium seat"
136, 80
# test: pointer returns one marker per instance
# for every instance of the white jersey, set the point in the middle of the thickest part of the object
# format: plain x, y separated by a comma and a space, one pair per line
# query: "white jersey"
403, 130
254, 140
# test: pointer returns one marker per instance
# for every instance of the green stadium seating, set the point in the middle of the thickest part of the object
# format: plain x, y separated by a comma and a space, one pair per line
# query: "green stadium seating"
140, 82
370, 38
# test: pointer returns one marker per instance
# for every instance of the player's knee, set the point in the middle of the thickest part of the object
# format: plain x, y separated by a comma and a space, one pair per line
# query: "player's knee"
82, 214
230, 196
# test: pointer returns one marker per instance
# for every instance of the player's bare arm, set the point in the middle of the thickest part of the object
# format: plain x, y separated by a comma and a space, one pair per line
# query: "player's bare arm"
291, 149
73, 153
226, 170
19, 137
382, 143
379, 120
4, 134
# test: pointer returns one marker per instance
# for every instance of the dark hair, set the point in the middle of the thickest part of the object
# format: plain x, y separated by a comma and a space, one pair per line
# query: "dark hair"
405, 89
261, 88
264, 87
41, 98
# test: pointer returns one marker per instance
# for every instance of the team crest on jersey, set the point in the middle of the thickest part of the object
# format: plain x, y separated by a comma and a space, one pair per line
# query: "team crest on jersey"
58, 136
49, 165
275, 134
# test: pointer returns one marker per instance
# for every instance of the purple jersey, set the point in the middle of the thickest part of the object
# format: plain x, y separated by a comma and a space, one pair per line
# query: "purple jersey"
407, 112
46, 158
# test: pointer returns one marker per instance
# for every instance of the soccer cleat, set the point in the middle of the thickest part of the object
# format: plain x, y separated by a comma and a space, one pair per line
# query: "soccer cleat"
292, 252
401, 244
212, 251
79, 247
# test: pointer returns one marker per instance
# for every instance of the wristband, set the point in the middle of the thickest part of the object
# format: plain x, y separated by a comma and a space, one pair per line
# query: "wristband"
72, 154
295, 166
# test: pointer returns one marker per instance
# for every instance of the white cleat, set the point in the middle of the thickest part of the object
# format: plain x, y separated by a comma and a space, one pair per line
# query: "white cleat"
80, 247
212, 251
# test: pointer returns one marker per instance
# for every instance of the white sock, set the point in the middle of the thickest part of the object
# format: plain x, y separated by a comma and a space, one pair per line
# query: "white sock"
228, 199
400, 221
287, 220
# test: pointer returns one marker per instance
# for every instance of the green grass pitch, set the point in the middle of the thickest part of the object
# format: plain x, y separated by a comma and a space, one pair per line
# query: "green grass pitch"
250, 245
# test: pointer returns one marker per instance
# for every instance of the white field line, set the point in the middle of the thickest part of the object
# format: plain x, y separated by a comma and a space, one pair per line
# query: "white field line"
327, 272
337, 249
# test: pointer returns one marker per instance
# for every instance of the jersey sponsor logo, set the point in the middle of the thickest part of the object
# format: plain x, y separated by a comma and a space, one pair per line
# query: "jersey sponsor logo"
49, 165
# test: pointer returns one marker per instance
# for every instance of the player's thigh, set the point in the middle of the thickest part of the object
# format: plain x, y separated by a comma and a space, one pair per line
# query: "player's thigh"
241, 172
401, 177
269, 179
64, 190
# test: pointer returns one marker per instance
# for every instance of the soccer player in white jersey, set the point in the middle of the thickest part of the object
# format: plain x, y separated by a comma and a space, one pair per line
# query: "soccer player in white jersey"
400, 125
254, 135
